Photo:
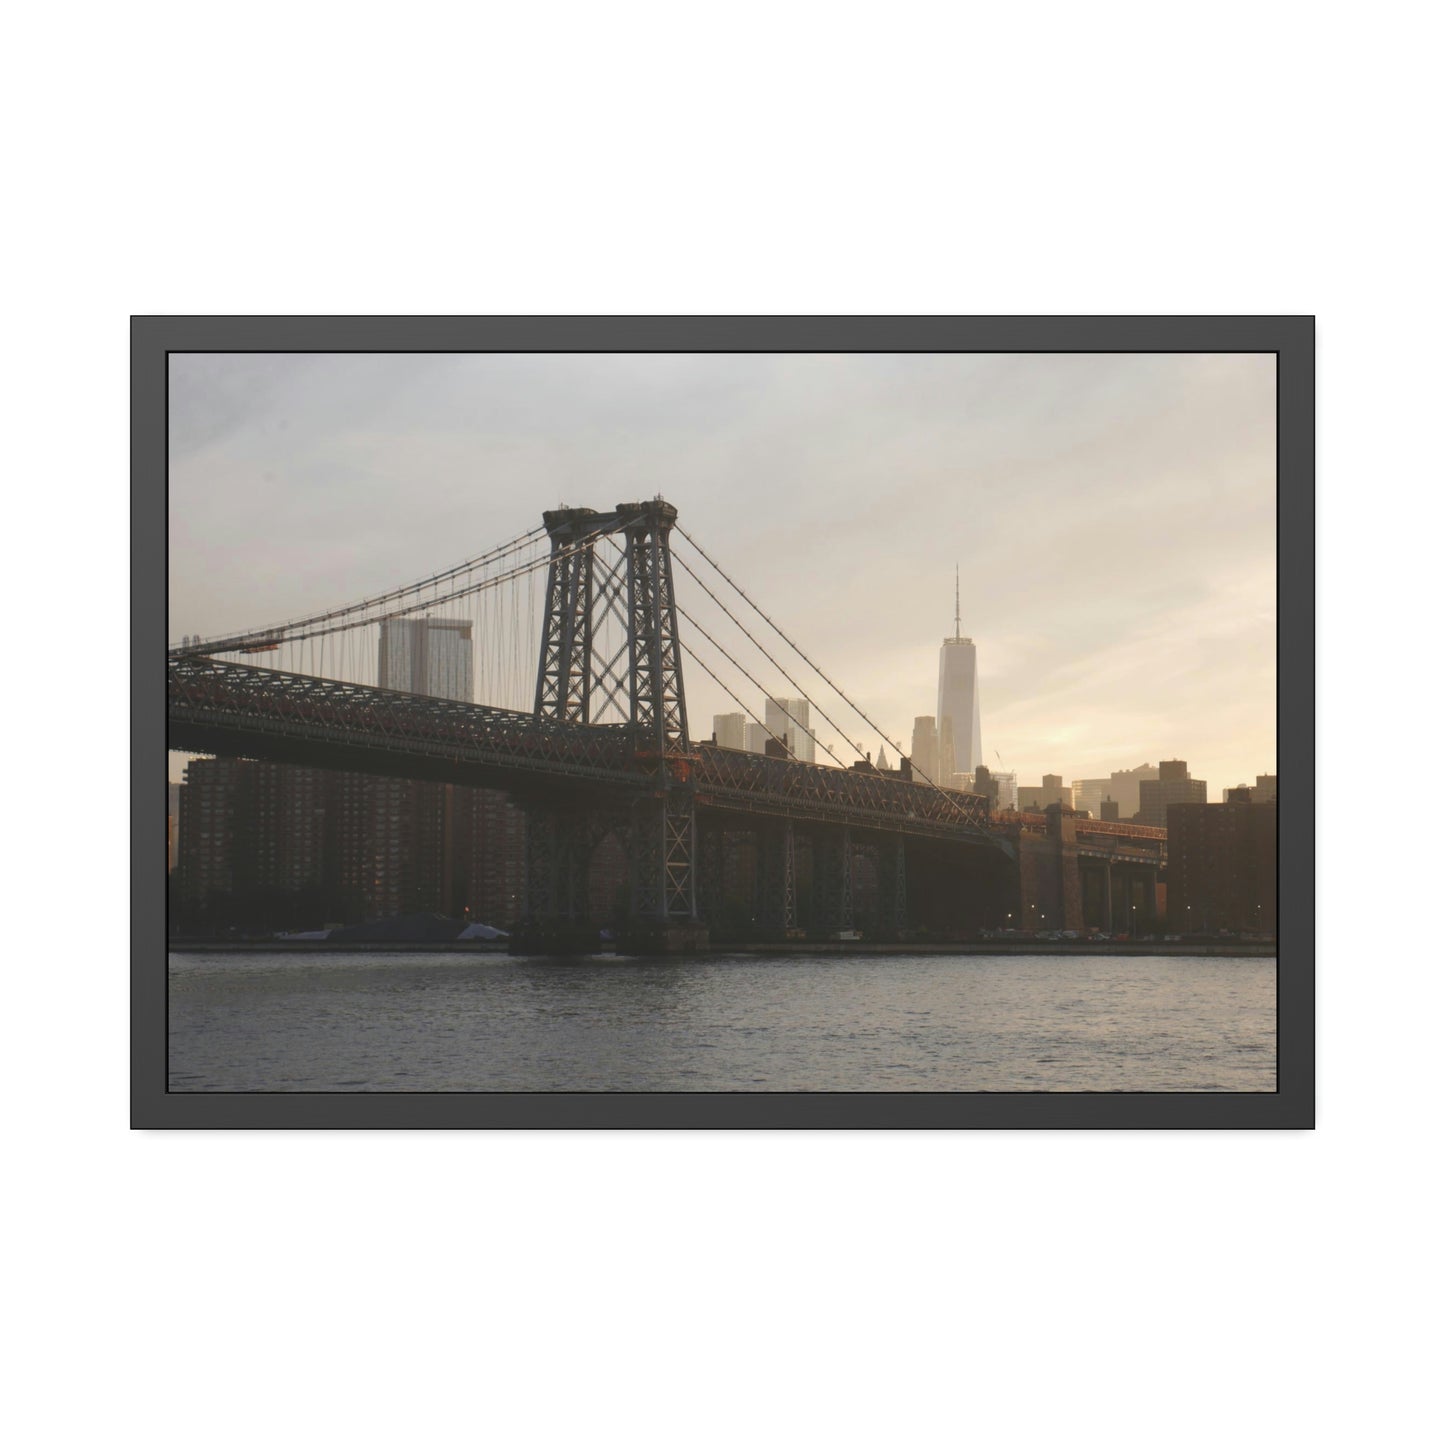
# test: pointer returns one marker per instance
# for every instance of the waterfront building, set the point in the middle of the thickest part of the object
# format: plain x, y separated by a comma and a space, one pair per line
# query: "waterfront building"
1173, 785
1222, 865
730, 730
787, 718
431, 656
272, 845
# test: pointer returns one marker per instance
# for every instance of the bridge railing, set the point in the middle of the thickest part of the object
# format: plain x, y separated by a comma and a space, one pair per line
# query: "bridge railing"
740, 778
244, 700
203, 691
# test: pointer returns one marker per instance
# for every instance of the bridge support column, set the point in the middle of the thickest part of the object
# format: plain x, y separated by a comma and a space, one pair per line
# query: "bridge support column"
664, 876
836, 880
711, 853
777, 881
892, 888
558, 848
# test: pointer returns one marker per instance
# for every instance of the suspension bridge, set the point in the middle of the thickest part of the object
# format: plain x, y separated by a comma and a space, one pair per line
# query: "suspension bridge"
602, 744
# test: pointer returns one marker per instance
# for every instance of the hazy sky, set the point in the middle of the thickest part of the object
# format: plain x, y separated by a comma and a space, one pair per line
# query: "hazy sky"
1113, 517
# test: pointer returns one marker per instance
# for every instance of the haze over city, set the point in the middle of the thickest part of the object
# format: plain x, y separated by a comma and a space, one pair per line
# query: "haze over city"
1112, 518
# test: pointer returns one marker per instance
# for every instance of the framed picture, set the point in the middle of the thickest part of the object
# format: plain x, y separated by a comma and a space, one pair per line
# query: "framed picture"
723, 722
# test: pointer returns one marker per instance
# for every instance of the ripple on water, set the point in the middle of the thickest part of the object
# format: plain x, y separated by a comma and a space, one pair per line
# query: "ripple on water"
932, 1023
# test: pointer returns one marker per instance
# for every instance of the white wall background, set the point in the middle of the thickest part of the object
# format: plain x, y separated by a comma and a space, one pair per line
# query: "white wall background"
796, 159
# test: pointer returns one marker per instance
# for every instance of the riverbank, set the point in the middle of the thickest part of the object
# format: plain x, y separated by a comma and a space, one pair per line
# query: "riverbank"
1003, 948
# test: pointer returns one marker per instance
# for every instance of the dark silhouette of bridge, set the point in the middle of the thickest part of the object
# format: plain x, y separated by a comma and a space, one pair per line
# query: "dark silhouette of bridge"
606, 748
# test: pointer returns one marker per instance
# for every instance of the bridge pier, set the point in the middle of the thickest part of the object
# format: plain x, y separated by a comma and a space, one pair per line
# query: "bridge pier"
664, 916
833, 880
892, 888
777, 879
559, 847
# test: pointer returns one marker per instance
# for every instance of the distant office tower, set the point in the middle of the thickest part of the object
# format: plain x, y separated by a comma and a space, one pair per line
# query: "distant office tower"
730, 729
1035, 800
1266, 788
427, 655
1007, 785
756, 737
1108, 810
1122, 787
960, 745
787, 718
1173, 785
925, 750
1222, 865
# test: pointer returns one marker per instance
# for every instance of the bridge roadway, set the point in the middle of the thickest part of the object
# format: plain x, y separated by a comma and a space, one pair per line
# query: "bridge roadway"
236, 710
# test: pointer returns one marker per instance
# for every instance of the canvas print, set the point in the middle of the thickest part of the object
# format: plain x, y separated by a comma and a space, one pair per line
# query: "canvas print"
719, 723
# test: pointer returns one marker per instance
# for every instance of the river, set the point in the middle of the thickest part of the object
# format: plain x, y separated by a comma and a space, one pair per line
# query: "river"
450, 1022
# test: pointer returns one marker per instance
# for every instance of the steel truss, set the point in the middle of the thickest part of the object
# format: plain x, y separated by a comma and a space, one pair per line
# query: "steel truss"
777, 883
576, 685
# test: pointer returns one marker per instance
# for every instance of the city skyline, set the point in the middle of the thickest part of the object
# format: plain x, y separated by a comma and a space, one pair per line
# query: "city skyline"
1117, 545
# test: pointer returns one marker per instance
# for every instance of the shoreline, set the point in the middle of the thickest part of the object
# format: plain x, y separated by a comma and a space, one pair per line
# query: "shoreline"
1224, 948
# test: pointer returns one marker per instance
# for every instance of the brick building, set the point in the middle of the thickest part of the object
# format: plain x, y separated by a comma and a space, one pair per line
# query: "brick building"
1222, 866
269, 845
1173, 785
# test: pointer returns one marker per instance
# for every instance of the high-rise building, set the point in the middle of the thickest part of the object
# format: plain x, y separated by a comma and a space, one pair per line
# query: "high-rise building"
1266, 788
1222, 865
1008, 791
925, 749
1122, 787
1035, 800
427, 655
1173, 785
787, 718
959, 739
730, 730
756, 737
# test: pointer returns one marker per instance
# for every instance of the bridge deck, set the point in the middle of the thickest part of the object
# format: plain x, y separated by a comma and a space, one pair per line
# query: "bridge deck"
242, 710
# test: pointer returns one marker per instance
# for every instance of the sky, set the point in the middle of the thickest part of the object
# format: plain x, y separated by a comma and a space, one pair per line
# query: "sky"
1112, 518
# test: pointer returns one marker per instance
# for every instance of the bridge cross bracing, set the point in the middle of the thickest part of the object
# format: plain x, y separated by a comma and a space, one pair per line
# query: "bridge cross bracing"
607, 728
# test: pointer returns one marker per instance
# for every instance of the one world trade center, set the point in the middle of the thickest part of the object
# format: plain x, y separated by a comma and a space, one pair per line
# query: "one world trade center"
959, 745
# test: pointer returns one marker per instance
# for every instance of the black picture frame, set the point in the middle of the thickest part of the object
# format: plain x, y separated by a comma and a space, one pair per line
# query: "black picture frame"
1290, 338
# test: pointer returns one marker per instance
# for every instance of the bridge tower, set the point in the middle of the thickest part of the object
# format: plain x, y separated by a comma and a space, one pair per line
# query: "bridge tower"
639, 685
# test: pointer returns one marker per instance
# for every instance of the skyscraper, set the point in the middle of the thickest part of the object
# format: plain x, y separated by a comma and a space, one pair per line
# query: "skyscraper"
730, 730
427, 655
925, 748
959, 743
1173, 785
787, 718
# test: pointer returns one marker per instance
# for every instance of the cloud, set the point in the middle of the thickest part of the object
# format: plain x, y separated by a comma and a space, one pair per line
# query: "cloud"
1112, 516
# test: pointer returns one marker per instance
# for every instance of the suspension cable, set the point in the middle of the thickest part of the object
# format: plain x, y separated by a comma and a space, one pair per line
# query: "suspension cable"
941, 791
258, 634
735, 698
239, 643
786, 674
695, 623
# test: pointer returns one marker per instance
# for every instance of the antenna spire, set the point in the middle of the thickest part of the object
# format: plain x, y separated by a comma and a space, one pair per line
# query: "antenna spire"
957, 620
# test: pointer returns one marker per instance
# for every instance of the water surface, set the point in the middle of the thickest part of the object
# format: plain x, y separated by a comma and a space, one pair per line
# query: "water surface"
467, 1022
